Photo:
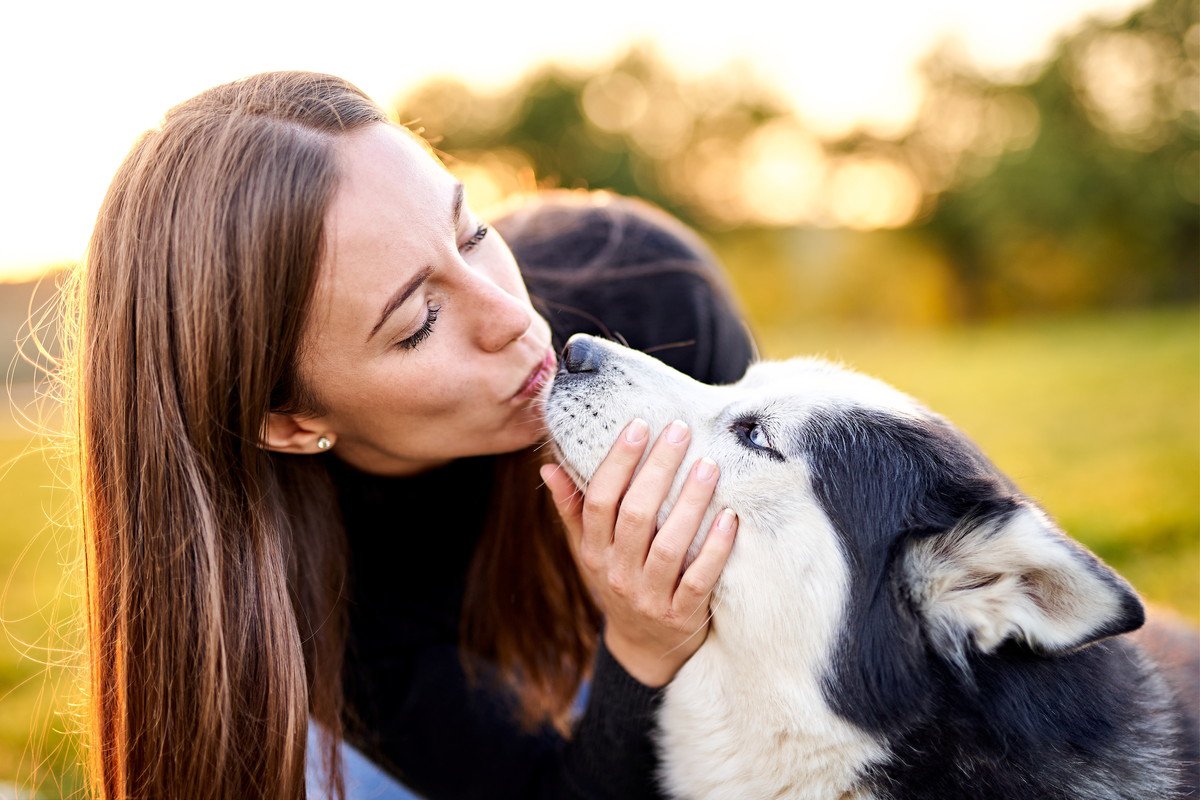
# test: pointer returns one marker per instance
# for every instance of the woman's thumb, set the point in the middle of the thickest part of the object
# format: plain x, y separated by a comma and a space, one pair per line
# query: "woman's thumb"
567, 497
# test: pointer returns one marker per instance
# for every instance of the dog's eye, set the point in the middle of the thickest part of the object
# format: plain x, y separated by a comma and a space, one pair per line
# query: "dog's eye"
758, 438
752, 434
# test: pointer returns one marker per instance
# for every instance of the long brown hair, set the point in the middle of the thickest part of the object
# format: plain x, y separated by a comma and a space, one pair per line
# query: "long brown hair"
213, 568
216, 571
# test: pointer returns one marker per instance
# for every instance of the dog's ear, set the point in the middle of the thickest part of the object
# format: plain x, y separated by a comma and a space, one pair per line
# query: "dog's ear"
1015, 576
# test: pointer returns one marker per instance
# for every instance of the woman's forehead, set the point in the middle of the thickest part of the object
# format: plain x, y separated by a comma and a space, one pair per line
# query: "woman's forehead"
390, 189
390, 217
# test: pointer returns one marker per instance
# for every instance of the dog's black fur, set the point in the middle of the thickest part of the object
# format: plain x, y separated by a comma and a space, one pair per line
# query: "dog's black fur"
1093, 719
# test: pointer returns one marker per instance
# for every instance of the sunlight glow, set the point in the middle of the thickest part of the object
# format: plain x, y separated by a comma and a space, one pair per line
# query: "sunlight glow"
873, 193
783, 175
97, 74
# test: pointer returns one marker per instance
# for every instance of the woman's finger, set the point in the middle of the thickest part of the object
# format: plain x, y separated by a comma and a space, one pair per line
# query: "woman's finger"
637, 519
567, 499
699, 579
608, 486
671, 543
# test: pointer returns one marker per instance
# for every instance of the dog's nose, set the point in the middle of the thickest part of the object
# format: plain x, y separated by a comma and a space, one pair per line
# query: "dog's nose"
582, 355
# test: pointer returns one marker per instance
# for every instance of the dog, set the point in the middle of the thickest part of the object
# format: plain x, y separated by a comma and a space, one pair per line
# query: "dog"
896, 619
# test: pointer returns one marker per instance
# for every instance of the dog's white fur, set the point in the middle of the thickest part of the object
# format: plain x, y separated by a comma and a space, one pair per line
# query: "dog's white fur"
729, 729
745, 717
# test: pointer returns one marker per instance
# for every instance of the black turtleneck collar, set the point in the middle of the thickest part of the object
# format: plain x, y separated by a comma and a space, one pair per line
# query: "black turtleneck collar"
411, 540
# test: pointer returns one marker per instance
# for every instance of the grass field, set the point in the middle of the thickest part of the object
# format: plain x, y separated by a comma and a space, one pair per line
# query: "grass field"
1098, 418
38, 600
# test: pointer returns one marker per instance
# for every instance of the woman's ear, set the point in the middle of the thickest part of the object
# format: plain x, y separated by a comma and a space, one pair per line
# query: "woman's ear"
295, 434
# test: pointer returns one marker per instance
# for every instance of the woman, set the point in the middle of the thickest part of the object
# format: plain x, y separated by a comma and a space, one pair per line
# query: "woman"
308, 422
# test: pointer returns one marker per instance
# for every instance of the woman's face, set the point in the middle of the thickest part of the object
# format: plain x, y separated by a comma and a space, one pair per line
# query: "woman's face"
421, 336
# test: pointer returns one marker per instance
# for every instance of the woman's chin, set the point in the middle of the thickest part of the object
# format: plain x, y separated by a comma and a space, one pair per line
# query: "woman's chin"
530, 426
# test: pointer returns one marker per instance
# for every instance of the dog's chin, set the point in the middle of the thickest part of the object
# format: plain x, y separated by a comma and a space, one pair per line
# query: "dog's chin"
568, 434
577, 475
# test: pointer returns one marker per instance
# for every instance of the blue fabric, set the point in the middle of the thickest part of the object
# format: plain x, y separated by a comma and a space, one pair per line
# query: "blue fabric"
364, 780
581, 700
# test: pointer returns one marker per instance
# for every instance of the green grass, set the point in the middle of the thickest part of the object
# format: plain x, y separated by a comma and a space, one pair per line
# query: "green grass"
39, 590
1098, 418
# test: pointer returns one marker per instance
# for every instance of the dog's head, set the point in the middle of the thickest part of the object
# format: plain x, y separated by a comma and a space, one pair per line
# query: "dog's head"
872, 536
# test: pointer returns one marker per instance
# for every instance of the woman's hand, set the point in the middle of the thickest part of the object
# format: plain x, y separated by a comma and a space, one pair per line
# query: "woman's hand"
655, 618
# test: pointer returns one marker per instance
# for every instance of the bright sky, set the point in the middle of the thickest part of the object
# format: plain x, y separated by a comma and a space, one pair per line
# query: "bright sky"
85, 78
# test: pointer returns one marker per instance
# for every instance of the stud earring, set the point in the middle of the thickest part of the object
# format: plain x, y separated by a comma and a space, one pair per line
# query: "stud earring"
324, 443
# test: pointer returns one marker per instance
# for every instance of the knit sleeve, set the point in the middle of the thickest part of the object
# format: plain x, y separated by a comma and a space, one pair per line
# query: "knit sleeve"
730, 346
444, 736
688, 319
612, 751
623, 270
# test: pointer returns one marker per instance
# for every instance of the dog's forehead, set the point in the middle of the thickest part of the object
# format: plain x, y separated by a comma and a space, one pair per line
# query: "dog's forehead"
801, 385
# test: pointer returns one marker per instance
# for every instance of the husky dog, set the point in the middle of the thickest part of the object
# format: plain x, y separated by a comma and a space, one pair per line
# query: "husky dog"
896, 619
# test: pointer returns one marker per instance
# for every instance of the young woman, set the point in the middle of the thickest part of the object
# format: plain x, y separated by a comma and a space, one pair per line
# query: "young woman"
307, 405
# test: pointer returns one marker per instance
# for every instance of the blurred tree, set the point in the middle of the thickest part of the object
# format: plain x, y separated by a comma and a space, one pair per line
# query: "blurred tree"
1075, 187
625, 127
1078, 188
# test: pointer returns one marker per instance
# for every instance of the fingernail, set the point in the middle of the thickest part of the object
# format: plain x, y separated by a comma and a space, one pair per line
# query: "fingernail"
725, 522
706, 468
636, 431
676, 431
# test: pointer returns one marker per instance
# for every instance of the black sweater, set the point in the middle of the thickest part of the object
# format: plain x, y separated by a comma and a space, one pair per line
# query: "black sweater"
411, 542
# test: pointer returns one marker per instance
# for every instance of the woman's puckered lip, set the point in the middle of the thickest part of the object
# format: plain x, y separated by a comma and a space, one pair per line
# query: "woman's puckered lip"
546, 365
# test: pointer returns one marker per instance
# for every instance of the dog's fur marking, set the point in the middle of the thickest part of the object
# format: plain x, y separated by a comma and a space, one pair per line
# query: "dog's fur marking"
896, 619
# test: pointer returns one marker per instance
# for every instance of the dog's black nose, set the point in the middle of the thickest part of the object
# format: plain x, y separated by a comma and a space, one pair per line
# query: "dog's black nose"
582, 355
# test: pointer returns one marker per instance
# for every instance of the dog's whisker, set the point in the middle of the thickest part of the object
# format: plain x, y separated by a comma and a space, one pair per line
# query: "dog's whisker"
669, 345
704, 604
586, 315
693, 634
539, 422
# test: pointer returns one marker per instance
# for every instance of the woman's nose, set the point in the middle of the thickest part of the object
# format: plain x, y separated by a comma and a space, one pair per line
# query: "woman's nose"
500, 316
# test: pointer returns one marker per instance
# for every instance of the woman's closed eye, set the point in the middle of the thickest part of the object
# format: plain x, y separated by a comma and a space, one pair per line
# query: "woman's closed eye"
475, 240
423, 333
431, 317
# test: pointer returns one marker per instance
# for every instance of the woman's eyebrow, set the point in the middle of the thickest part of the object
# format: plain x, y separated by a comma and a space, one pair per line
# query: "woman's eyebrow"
456, 210
405, 291
397, 300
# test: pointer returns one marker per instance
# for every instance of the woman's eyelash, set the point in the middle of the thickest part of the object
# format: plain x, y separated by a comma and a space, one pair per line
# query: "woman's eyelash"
476, 238
423, 334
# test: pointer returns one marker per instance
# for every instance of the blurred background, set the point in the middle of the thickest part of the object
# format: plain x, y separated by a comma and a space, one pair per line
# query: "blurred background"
995, 209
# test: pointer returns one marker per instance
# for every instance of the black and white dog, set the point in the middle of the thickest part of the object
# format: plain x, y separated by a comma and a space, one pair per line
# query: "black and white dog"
896, 619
